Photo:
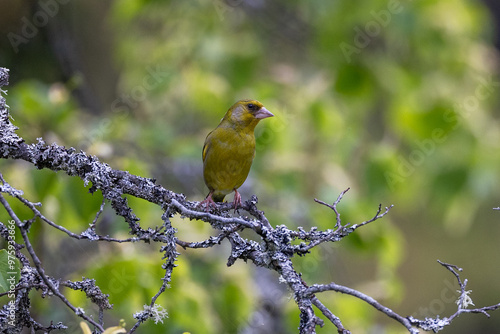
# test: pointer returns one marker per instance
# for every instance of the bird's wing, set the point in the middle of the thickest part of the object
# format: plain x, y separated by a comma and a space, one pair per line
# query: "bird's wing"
206, 147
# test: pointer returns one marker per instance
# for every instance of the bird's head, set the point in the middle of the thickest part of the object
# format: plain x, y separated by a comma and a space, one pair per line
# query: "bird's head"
247, 113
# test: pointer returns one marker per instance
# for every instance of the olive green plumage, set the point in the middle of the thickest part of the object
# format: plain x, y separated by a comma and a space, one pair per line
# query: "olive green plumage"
229, 150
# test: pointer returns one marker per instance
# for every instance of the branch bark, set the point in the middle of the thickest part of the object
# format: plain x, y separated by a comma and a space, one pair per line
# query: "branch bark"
277, 246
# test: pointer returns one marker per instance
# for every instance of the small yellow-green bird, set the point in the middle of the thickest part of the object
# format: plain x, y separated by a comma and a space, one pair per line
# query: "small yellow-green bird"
229, 151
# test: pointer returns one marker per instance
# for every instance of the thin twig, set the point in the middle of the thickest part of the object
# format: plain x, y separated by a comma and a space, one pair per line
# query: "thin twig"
316, 288
378, 215
101, 209
330, 316
39, 268
334, 206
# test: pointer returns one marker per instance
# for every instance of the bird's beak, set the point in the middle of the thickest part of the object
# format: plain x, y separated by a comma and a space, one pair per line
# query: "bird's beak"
263, 113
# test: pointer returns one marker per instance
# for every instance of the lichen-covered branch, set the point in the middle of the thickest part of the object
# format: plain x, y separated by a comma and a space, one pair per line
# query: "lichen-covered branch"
274, 251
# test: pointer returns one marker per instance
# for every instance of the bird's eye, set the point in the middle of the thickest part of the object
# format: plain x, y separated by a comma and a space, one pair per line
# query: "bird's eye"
251, 106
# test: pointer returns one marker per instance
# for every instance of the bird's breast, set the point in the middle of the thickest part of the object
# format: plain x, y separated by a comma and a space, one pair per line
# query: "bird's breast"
228, 159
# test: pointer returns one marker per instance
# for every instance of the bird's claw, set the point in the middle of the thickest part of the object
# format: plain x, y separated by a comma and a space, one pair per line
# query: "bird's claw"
208, 203
237, 200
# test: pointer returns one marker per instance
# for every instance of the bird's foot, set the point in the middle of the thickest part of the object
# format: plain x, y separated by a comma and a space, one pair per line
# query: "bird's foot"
208, 203
237, 200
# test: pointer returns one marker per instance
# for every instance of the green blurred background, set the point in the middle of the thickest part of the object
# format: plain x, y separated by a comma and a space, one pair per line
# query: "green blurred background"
397, 100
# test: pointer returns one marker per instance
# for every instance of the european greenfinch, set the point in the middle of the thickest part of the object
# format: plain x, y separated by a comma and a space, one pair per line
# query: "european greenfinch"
229, 151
